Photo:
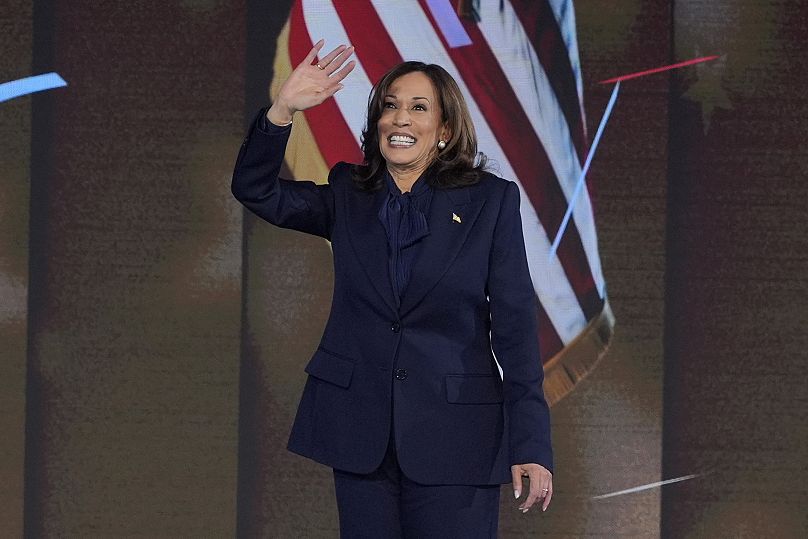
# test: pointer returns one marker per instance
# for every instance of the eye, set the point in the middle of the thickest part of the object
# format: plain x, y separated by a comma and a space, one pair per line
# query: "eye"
419, 107
389, 105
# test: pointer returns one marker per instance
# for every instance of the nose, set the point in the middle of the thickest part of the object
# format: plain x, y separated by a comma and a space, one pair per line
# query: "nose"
401, 117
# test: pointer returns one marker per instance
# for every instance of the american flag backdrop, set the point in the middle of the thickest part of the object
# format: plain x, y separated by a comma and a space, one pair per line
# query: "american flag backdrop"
516, 61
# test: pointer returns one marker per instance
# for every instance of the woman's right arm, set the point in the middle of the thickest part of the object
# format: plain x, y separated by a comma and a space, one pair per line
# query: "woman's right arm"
300, 205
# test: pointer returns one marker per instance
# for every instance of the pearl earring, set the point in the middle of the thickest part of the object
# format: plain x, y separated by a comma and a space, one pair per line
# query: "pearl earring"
441, 144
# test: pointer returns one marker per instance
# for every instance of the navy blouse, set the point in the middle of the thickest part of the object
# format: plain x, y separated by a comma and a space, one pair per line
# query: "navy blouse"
403, 216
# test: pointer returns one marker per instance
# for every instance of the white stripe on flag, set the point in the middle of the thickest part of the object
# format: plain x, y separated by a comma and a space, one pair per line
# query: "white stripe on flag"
415, 38
517, 58
549, 280
322, 21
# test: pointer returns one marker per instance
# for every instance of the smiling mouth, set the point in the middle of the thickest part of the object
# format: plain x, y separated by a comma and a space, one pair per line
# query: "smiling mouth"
400, 141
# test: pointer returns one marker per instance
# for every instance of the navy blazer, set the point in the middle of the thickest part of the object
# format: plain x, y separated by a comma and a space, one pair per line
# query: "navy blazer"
427, 366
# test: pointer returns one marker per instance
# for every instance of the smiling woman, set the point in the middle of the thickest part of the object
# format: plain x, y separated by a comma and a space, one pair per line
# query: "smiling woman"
429, 259
422, 104
410, 128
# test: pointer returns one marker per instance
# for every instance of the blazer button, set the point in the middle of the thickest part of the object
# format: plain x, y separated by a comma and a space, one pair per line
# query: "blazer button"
395, 327
401, 374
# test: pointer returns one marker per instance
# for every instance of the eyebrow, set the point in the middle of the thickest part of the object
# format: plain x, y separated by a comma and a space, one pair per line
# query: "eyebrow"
418, 97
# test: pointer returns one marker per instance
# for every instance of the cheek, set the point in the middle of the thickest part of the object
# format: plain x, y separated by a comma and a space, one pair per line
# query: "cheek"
385, 120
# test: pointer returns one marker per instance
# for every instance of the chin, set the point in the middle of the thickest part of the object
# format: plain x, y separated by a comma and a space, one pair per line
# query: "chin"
401, 158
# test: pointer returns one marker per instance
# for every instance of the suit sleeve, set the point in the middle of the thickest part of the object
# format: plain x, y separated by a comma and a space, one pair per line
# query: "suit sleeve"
514, 338
299, 205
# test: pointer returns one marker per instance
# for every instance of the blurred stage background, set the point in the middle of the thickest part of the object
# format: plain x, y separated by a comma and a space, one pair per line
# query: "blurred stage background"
153, 334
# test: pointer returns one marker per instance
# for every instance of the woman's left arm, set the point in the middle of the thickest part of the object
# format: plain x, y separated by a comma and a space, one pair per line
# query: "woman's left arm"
514, 340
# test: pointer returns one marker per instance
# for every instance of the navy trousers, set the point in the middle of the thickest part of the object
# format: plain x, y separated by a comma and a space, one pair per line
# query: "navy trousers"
385, 504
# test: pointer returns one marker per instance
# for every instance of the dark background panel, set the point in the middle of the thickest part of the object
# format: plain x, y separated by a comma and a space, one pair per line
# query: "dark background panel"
16, 35
288, 293
135, 270
735, 393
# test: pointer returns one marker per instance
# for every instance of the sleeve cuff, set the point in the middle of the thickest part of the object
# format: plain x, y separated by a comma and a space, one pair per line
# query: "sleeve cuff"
268, 127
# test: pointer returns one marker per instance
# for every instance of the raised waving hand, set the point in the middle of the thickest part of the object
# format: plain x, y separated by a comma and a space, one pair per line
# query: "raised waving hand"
310, 84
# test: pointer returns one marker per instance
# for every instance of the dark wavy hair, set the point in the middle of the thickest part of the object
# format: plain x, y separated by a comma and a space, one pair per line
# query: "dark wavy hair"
457, 165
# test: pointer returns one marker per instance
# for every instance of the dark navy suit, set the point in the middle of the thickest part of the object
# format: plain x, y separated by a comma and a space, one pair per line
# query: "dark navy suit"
426, 366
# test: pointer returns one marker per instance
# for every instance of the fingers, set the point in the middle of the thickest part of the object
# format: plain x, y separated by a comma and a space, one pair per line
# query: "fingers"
331, 91
313, 52
310, 84
549, 495
535, 492
334, 59
516, 477
334, 85
342, 73
541, 485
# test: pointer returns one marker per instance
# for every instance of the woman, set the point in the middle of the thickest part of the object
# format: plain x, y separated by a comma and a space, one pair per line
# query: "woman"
404, 399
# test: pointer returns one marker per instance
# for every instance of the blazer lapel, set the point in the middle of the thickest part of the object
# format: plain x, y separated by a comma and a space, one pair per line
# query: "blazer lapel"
452, 214
369, 241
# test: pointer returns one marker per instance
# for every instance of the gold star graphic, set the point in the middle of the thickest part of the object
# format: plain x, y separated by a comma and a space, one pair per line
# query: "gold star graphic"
708, 89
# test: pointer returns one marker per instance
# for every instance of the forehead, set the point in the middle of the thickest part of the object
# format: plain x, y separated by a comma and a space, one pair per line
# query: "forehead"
412, 84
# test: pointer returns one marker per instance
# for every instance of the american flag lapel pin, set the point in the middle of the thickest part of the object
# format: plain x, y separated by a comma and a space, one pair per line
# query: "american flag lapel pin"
456, 218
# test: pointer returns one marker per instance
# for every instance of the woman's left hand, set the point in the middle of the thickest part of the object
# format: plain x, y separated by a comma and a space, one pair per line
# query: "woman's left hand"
541, 484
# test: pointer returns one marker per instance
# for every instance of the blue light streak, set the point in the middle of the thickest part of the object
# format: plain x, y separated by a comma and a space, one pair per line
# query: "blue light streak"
580, 185
29, 85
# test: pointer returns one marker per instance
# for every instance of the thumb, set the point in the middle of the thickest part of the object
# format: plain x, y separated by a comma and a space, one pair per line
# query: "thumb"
516, 475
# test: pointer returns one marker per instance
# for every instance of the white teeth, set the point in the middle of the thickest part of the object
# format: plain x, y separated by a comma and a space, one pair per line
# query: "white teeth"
401, 140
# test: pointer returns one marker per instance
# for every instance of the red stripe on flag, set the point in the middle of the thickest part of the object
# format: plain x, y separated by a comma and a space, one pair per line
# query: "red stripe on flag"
333, 136
367, 33
523, 149
541, 27
549, 342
